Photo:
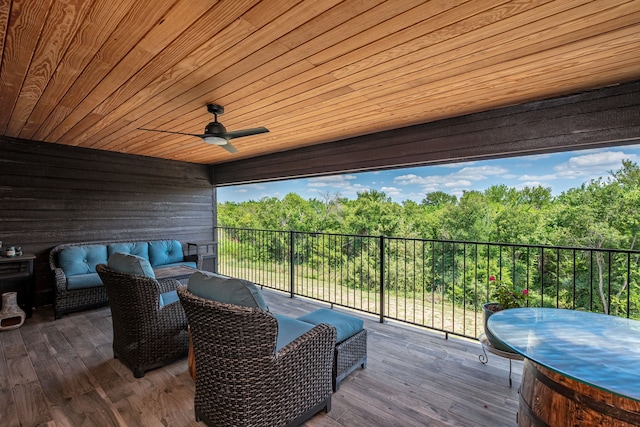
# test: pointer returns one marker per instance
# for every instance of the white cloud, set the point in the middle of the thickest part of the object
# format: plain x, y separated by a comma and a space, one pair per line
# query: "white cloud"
548, 177
478, 173
531, 184
409, 179
592, 165
453, 183
333, 180
391, 191
457, 183
339, 184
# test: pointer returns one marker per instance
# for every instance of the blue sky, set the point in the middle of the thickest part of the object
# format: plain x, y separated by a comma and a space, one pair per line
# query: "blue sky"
559, 171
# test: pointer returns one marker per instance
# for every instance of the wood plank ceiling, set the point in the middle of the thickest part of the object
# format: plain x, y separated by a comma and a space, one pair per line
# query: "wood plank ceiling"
89, 73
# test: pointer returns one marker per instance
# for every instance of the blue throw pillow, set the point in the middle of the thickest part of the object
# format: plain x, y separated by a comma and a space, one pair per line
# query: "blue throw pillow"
133, 248
131, 264
162, 252
226, 289
82, 259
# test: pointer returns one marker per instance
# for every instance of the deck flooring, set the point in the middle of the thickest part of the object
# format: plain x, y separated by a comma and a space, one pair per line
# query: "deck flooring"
62, 373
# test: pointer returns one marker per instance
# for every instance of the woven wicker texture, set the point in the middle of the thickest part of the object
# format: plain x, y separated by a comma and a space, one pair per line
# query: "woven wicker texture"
145, 335
349, 354
67, 301
241, 380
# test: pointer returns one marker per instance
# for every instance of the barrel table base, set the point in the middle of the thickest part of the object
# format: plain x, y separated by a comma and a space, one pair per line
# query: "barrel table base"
551, 399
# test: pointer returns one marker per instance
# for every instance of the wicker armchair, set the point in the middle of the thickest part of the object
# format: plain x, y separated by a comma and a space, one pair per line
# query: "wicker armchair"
241, 380
146, 335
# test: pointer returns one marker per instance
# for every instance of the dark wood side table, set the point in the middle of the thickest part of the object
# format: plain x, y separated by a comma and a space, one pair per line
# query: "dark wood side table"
209, 252
16, 275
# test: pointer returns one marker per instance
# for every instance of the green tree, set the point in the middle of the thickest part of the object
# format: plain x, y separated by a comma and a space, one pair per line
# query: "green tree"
469, 220
372, 213
602, 214
438, 199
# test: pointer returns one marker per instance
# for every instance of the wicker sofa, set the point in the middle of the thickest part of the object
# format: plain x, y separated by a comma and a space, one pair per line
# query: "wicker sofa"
78, 286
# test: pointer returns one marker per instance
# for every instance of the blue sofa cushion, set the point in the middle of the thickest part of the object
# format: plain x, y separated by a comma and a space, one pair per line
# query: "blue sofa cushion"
228, 290
133, 248
163, 252
289, 329
82, 259
345, 325
131, 264
83, 281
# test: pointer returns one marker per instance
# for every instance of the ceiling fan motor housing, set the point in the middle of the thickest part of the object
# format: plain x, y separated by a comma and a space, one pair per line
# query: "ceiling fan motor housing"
215, 128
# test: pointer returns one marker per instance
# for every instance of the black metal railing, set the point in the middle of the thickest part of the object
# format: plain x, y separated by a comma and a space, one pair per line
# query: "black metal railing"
437, 284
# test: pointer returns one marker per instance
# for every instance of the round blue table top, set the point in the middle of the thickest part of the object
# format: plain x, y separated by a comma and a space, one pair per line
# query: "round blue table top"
597, 349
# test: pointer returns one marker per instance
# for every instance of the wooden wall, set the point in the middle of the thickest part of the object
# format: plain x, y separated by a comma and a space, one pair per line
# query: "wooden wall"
52, 194
603, 117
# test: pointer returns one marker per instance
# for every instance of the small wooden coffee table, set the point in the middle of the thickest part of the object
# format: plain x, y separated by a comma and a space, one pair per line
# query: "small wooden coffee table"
178, 272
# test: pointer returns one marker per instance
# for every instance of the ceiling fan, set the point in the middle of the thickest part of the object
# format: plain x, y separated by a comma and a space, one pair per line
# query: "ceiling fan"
217, 134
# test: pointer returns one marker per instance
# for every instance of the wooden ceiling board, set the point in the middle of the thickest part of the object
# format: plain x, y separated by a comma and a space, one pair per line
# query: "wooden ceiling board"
176, 92
112, 127
95, 29
90, 73
62, 22
130, 29
26, 21
129, 97
153, 42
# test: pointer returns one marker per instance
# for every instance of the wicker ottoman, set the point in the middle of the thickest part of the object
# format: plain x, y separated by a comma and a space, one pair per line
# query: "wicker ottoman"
351, 345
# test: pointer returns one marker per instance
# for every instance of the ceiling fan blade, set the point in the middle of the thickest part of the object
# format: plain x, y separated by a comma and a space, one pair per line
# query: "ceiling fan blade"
168, 131
230, 148
245, 132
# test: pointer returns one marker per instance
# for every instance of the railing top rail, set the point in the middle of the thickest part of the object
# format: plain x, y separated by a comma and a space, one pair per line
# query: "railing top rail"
443, 241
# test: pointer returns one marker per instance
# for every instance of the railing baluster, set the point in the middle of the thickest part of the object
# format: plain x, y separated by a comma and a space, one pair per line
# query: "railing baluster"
382, 269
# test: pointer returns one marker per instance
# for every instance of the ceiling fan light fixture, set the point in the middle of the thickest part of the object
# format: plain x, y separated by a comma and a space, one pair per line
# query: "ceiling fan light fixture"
215, 133
215, 140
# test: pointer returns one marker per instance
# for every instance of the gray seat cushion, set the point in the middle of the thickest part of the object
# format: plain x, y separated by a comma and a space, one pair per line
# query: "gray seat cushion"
228, 290
131, 264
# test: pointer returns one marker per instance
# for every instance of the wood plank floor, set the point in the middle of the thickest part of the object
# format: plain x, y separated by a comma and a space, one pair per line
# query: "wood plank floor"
62, 373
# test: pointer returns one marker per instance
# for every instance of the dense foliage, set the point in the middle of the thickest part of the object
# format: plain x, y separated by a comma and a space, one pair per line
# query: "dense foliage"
603, 213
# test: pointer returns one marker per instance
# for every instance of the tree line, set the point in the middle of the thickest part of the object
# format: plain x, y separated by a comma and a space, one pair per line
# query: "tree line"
603, 213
